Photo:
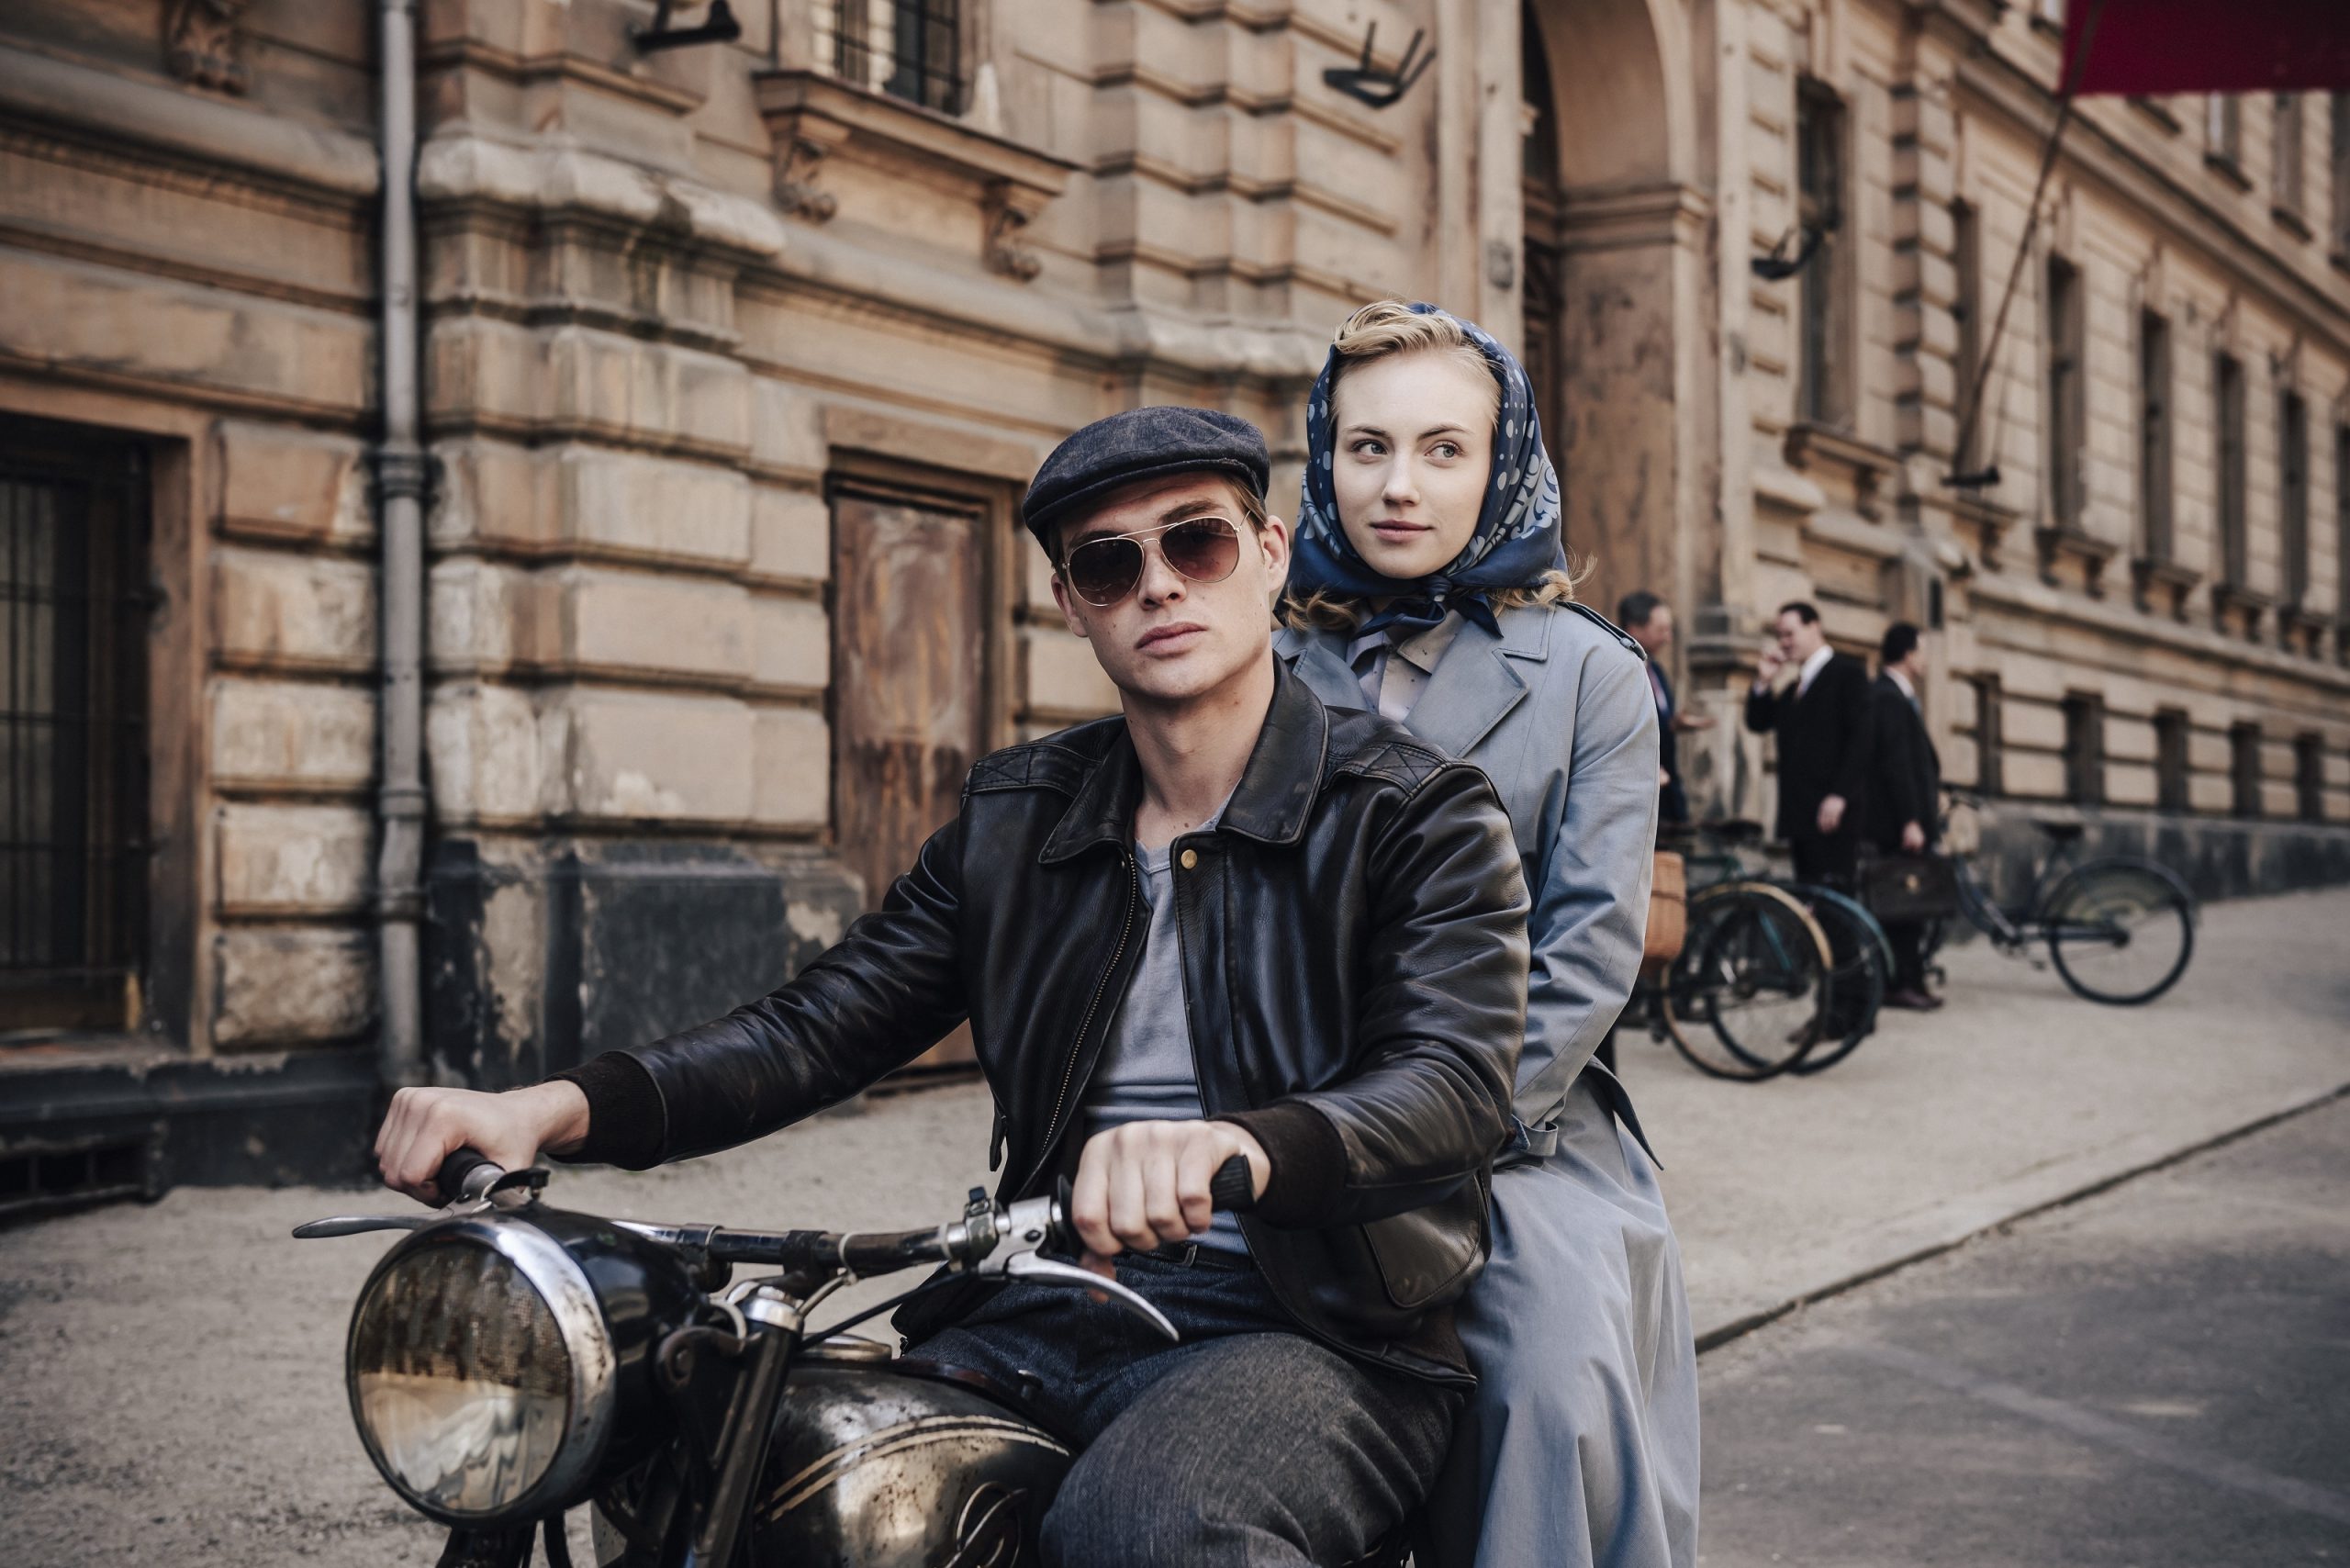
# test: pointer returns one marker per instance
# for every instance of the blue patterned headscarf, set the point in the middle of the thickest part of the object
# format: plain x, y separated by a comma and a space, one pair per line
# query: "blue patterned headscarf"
1518, 534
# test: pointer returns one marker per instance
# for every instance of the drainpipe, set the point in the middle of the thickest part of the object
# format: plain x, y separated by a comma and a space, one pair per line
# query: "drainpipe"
399, 482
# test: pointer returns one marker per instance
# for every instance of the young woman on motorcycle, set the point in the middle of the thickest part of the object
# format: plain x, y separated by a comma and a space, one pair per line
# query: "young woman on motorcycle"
1430, 584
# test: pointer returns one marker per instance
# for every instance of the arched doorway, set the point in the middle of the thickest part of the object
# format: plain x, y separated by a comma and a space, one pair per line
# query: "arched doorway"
1614, 242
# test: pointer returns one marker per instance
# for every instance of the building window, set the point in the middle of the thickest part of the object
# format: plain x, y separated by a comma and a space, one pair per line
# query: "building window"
2309, 777
2153, 436
2285, 173
72, 730
2293, 494
2243, 769
1966, 316
2067, 396
2172, 792
1820, 209
1986, 735
2339, 169
2224, 131
2227, 420
908, 48
2085, 749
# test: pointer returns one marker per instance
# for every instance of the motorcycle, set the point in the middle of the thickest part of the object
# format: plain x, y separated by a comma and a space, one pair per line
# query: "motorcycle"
507, 1362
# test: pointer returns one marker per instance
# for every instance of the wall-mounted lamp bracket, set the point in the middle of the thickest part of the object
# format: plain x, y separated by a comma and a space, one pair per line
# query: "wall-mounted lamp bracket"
1367, 84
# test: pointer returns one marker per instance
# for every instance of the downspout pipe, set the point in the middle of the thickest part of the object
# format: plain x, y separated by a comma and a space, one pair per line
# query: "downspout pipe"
401, 800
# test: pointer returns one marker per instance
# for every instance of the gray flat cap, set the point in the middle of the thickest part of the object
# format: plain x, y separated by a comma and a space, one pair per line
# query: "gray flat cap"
1143, 444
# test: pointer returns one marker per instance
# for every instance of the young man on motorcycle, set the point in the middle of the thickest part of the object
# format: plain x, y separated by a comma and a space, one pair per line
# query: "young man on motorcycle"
1226, 921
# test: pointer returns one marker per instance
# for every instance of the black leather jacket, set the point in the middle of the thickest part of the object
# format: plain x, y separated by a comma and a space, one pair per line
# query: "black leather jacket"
1354, 959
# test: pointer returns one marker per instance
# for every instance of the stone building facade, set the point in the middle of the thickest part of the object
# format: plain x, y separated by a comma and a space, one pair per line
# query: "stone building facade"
736, 355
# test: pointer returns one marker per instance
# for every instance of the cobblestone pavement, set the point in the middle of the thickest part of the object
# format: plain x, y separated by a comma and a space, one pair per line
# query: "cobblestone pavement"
170, 1384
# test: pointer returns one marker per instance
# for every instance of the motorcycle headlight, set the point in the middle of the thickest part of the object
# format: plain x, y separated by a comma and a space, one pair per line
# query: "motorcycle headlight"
480, 1371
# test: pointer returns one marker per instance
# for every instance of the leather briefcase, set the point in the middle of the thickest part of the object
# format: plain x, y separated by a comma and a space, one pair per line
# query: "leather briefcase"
1906, 889
1668, 911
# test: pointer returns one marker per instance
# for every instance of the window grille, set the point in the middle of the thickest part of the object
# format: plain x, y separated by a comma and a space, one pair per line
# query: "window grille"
2085, 749
2243, 769
2285, 174
2153, 436
72, 730
2293, 494
2227, 396
2172, 790
2067, 395
1820, 209
908, 48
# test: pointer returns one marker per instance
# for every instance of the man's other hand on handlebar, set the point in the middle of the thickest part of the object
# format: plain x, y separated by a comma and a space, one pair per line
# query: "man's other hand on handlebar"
425, 1126
1146, 1184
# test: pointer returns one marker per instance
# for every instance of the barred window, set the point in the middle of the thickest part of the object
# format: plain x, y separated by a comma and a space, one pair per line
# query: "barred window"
2172, 790
2067, 396
908, 48
1819, 209
2085, 748
2293, 494
2243, 769
2227, 399
2309, 777
72, 729
2153, 436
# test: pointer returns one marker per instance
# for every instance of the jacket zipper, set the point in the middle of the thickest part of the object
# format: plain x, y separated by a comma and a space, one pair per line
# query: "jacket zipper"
1077, 1046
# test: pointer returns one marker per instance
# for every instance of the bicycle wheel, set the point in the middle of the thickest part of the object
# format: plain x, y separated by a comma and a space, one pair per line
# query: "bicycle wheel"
1861, 967
2119, 932
1753, 972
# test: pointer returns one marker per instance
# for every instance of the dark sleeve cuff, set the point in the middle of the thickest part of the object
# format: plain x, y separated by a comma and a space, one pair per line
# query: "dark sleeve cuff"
1309, 1161
627, 1122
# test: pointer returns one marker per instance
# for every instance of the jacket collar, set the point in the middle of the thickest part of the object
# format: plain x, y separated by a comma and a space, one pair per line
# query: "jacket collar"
1474, 687
1275, 796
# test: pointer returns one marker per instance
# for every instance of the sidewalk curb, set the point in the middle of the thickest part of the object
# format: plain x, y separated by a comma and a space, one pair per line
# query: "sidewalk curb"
1740, 1326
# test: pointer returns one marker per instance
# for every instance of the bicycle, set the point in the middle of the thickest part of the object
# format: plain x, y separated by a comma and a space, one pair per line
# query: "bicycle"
1753, 972
1860, 959
2119, 929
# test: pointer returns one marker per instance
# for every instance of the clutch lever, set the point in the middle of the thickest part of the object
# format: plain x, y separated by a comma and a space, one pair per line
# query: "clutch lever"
483, 1188
1048, 1270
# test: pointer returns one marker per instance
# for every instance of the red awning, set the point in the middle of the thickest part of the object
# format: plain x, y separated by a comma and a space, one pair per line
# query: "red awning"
2210, 46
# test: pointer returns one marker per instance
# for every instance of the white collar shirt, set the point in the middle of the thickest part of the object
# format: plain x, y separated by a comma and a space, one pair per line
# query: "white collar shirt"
1812, 667
1902, 681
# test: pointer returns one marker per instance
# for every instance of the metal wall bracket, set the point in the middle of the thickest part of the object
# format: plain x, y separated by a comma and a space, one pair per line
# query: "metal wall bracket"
718, 26
1367, 84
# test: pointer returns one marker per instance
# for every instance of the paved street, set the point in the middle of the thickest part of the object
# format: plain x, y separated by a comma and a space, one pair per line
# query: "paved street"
2157, 1376
170, 1385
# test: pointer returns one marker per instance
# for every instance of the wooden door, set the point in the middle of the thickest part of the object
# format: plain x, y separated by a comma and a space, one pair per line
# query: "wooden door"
909, 681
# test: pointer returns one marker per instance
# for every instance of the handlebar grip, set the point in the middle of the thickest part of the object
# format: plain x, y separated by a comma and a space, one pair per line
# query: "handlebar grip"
1233, 1187
450, 1180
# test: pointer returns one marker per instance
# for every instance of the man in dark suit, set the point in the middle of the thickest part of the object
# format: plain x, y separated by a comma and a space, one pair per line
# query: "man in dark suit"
1903, 796
1822, 722
1649, 622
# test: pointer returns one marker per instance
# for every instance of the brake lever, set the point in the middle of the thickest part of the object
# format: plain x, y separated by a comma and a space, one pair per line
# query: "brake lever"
512, 1189
1047, 1271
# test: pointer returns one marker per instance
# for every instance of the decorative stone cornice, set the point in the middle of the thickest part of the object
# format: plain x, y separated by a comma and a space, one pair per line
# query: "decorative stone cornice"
461, 166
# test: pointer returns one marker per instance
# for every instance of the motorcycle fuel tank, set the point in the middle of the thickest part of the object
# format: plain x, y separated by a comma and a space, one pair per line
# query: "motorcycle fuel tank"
871, 1467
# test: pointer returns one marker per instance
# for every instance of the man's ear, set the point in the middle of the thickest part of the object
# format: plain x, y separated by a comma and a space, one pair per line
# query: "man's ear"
1272, 537
1067, 604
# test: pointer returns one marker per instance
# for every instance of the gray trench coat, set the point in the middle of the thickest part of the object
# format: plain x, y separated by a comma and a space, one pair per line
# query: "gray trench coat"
1580, 1446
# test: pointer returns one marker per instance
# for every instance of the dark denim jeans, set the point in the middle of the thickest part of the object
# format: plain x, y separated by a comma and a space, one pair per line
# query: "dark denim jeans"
1248, 1443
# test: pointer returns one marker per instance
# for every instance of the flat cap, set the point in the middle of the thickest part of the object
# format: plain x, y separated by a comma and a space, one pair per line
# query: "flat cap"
1142, 443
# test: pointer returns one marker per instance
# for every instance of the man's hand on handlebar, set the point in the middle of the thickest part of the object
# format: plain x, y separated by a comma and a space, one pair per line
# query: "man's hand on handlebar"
1148, 1184
511, 1129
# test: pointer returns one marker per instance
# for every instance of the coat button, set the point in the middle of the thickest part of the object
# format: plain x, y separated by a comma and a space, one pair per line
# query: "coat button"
1191, 859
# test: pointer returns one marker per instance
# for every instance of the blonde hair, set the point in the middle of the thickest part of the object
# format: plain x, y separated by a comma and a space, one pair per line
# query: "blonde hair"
1390, 327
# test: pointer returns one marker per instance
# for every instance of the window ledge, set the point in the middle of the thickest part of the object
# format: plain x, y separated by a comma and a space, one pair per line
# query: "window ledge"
2155, 578
2069, 542
1809, 445
2290, 218
1991, 520
2228, 167
2156, 111
2302, 630
2250, 603
810, 116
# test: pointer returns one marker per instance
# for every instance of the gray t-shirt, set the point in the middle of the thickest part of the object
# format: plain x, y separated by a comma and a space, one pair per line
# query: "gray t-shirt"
1146, 1072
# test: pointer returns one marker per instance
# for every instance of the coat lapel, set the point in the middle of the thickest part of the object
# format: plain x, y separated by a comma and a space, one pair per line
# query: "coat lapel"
1474, 686
1319, 659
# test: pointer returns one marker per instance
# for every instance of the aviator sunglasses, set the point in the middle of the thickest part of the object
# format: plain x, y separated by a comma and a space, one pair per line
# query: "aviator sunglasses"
1103, 571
